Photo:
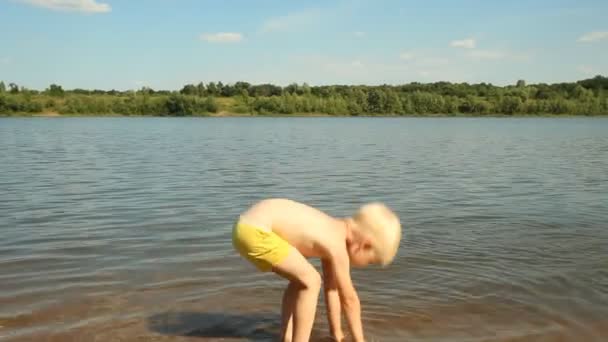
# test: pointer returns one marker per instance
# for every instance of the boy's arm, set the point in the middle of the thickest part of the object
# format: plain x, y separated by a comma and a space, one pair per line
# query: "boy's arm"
332, 301
348, 295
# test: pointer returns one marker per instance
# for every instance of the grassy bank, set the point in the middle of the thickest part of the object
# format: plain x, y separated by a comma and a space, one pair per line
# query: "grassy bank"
585, 97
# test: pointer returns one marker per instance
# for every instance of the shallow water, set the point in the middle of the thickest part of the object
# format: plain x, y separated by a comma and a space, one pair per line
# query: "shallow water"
117, 229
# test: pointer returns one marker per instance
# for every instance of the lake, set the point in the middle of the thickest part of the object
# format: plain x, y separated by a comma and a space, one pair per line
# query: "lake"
118, 229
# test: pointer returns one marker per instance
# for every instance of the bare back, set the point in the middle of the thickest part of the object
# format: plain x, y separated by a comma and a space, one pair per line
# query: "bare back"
309, 230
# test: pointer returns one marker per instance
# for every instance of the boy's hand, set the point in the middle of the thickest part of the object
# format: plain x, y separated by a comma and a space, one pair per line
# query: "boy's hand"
332, 301
348, 296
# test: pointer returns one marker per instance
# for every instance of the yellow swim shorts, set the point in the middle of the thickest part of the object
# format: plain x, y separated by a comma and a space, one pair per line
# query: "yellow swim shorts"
262, 248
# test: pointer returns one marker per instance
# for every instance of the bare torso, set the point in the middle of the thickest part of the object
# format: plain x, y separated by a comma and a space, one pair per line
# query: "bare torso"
307, 229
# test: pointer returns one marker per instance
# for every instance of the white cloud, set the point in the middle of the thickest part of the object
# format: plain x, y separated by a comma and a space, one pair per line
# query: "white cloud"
468, 43
406, 56
585, 69
357, 64
85, 6
498, 55
329, 69
334, 70
5, 60
322, 69
424, 73
359, 34
433, 61
593, 36
487, 54
222, 37
292, 20
421, 59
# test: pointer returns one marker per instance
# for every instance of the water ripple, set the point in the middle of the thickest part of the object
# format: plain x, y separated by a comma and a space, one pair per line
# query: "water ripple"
119, 228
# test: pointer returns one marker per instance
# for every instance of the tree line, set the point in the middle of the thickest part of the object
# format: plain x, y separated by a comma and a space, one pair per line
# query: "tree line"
585, 97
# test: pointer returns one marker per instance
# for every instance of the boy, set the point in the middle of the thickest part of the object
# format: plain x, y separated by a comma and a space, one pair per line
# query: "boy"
279, 234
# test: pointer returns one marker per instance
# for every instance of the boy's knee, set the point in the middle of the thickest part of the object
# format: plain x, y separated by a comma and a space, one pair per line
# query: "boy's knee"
312, 280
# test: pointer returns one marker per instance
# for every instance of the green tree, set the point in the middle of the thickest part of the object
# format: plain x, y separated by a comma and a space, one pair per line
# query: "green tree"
265, 90
289, 103
354, 108
189, 89
474, 105
228, 90
393, 103
359, 97
200, 89
305, 89
240, 86
55, 90
211, 105
581, 93
406, 104
146, 91
510, 105
560, 106
376, 100
585, 97
293, 88
427, 103
212, 89
50, 104
3, 104
604, 105
14, 89
179, 105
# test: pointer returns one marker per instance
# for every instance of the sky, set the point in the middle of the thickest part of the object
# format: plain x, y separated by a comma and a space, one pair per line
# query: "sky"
164, 44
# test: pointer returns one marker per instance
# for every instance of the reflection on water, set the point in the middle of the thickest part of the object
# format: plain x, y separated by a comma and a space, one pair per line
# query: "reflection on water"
118, 228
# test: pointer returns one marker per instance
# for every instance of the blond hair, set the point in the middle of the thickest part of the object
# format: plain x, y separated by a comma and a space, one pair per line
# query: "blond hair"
378, 223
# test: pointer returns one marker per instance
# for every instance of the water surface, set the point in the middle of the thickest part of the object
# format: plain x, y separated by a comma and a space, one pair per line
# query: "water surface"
117, 229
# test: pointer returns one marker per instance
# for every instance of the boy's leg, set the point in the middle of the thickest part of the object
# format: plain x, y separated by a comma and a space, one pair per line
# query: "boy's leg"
301, 294
289, 300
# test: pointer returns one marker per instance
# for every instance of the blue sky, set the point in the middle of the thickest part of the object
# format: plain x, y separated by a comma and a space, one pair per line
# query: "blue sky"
164, 44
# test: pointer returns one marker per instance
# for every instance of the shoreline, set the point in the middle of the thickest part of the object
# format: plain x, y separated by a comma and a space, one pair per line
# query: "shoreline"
298, 115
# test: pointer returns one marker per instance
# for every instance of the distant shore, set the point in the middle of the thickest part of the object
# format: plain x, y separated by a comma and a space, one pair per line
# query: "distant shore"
587, 97
296, 115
